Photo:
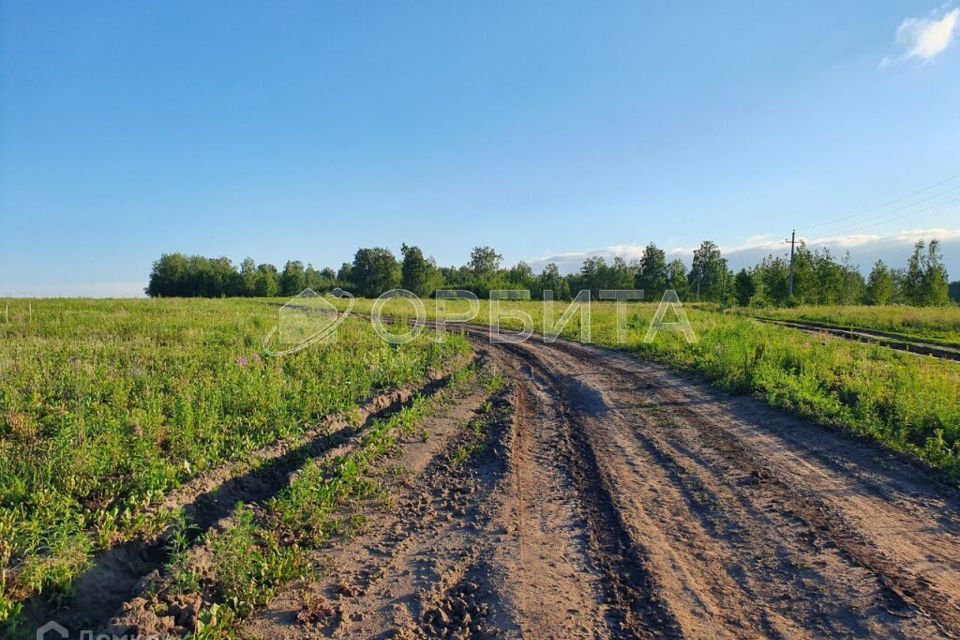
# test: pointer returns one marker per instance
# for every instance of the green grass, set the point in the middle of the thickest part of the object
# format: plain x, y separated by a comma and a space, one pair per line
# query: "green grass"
906, 402
937, 325
255, 556
105, 406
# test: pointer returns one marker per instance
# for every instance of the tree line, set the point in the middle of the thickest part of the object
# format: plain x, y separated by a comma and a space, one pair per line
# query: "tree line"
818, 277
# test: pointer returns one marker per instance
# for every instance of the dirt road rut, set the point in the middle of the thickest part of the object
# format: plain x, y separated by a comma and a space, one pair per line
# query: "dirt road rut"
614, 499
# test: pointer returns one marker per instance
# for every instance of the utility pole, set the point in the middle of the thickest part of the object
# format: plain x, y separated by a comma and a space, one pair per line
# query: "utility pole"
793, 239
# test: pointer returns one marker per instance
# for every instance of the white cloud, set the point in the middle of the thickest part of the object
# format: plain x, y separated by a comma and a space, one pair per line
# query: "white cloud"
908, 236
924, 38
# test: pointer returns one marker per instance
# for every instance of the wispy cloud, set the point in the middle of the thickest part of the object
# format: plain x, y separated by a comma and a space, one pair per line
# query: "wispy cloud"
924, 38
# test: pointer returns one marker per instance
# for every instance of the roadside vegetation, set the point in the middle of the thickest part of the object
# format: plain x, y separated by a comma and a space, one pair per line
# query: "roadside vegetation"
908, 403
936, 325
106, 406
238, 567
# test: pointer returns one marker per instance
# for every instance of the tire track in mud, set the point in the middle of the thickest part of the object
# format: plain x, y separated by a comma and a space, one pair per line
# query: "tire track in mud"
710, 472
117, 574
550, 575
633, 609
422, 570
828, 538
614, 499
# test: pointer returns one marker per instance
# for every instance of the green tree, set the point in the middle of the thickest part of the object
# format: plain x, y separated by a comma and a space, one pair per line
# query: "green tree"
595, 275
926, 283
591, 276
899, 286
484, 263
807, 273
521, 275
744, 287
418, 274
954, 291
374, 272
248, 277
169, 276
345, 275
829, 278
550, 279
772, 277
268, 281
853, 282
880, 286
210, 277
913, 279
620, 274
676, 279
708, 274
227, 277
457, 277
651, 274
936, 287
311, 278
319, 281
293, 279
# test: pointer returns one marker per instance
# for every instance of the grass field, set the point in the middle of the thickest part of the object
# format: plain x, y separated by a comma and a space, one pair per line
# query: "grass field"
105, 406
243, 565
937, 325
909, 403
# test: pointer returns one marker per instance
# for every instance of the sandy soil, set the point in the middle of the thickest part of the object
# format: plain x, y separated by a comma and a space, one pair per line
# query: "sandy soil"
613, 499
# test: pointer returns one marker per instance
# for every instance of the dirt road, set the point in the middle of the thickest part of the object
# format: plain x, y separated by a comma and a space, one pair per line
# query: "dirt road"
617, 500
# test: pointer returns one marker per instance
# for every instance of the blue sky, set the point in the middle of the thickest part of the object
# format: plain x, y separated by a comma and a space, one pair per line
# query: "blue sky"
545, 129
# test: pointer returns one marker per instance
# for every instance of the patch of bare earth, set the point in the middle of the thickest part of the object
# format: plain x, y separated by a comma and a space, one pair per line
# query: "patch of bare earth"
606, 497
421, 568
618, 500
749, 523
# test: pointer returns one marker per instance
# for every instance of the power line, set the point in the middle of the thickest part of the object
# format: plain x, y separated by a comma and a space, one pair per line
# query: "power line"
878, 222
879, 219
887, 204
861, 226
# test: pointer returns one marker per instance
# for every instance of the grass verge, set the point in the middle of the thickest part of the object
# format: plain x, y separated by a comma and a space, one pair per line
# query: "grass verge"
239, 568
